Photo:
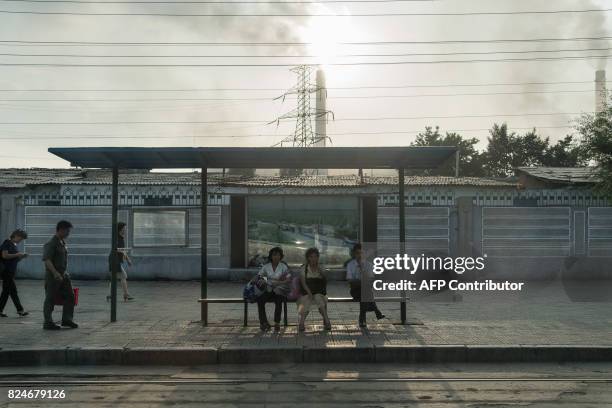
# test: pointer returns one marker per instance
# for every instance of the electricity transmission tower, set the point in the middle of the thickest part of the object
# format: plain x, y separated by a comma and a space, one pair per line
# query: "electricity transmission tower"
303, 135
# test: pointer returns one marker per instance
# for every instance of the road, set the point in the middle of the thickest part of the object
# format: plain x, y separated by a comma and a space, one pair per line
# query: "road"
347, 385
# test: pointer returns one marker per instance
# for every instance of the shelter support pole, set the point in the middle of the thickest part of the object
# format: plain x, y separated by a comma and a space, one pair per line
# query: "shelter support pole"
204, 243
402, 233
114, 258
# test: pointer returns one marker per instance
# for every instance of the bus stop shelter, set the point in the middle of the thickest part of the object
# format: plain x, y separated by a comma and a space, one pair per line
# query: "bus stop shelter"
117, 158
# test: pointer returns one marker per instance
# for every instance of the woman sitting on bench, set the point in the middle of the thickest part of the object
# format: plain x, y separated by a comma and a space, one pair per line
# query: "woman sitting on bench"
313, 288
278, 278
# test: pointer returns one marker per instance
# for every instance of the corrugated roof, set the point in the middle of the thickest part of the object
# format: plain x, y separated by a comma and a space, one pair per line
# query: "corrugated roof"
18, 178
562, 174
15, 178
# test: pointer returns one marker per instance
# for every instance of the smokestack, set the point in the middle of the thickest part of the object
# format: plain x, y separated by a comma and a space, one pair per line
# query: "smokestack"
600, 90
321, 117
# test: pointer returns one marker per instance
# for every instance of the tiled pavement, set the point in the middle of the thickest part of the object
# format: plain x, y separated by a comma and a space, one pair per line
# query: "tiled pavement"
165, 315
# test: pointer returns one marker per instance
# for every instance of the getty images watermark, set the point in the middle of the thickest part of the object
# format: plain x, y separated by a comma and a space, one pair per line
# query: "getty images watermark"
385, 271
391, 273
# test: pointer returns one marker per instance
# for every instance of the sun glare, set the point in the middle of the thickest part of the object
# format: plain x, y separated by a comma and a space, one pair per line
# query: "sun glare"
326, 35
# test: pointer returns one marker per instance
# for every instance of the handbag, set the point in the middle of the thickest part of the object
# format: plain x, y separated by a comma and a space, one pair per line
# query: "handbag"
296, 287
59, 300
254, 289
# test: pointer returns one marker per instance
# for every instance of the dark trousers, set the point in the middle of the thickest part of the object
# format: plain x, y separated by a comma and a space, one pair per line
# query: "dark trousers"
62, 288
363, 306
261, 307
9, 289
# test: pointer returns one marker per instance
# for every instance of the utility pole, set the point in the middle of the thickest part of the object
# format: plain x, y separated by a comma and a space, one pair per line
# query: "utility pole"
303, 135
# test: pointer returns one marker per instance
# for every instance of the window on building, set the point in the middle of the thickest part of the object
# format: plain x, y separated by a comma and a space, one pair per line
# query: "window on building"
330, 224
160, 228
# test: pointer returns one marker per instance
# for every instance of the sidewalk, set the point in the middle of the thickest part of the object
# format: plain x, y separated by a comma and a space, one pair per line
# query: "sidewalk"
162, 326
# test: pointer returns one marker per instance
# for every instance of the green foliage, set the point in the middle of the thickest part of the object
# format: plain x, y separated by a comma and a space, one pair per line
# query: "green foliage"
505, 151
470, 160
596, 144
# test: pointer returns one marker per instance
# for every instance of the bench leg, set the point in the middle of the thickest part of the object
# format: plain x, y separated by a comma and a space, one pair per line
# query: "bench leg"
204, 313
246, 314
403, 312
285, 314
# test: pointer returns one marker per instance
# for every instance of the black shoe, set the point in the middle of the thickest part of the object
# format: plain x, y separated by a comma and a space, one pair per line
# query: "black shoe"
71, 325
264, 327
23, 313
380, 316
51, 326
276, 327
3, 315
363, 324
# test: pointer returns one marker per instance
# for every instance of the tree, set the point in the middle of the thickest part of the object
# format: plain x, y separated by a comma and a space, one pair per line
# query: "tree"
596, 137
565, 153
470, 160
499, 155
508, 150
530, 149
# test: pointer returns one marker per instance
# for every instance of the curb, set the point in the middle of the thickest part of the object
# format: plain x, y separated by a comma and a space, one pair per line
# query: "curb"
190, 356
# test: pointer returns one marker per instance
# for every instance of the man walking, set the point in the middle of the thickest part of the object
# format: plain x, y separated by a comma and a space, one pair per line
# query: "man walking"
57, 280
9, 257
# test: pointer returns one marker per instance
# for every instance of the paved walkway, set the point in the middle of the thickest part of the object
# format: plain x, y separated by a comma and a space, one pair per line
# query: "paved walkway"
165, 315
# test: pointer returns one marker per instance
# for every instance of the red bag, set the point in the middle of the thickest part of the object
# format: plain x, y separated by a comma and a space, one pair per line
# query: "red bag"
59, 301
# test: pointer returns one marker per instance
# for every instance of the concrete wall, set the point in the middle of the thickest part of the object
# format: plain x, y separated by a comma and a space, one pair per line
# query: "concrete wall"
89, 244
545, 241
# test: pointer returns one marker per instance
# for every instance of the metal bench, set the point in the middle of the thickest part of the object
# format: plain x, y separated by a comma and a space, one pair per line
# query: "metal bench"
329, 300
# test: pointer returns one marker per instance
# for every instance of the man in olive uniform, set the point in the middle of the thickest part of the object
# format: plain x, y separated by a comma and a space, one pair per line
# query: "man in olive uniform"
57, 280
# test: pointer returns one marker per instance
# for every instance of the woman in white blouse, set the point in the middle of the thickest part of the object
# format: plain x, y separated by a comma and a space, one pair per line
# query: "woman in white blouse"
276, 274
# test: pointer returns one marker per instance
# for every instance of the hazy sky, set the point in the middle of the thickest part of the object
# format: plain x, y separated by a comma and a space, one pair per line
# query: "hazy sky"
25, 145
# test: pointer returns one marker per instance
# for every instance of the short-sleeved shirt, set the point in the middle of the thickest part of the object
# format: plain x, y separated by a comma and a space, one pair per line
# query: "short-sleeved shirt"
10, 265
55, 251
354, 270
269, 272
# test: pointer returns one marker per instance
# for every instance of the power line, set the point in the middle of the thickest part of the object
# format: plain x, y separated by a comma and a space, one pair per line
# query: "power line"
201, 122
419, 14
295, 44
302, 56
217, 1
271, 99
20, 138
312, 64
438, 85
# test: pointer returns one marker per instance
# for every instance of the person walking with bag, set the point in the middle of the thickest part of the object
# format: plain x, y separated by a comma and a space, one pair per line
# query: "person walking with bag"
357, 268
314, 290
10, 257
125, 262
278, 279
57, 280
